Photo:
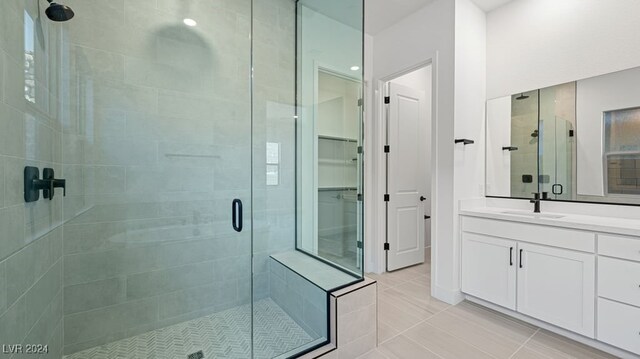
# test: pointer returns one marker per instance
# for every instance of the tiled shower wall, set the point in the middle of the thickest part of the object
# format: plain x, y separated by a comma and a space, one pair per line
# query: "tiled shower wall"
30, 134
303, 301
150, 123
274, 214
161, 140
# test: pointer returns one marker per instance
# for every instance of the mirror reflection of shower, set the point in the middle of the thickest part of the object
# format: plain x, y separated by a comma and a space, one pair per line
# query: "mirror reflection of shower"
58, 12
524, 136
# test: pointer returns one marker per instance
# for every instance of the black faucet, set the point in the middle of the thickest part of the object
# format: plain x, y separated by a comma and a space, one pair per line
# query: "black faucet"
536, 202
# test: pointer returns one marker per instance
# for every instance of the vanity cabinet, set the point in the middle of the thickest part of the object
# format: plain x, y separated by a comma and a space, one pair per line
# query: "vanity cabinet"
557, 286
619, 291
619, 325
489, 269
505, 267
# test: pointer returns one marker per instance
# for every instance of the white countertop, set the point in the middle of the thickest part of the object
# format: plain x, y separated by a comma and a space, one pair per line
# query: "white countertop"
624, 226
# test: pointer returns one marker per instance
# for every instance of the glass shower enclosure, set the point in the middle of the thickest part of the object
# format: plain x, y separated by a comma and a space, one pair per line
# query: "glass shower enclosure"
188, 137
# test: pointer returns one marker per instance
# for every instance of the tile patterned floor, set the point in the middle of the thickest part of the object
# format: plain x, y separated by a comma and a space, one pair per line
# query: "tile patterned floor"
412, 324
221, 335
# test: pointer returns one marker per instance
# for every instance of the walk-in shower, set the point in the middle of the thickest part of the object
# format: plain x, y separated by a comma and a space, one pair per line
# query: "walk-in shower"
193, 173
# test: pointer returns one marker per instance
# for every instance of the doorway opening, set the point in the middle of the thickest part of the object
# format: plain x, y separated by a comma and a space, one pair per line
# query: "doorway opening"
406, 158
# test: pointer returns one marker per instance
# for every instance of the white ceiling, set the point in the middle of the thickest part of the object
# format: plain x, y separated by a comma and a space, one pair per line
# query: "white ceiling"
488, 5
346, 12
381, 14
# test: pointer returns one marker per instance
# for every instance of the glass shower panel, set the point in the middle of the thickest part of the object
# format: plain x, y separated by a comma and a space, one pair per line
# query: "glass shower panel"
557, 124
290, 287
329, 132
278, 293
155, 115
338, 132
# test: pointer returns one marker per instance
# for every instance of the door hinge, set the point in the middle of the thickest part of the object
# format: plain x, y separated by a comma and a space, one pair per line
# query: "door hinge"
360, 102
386, 246
360, 149
387, 149
386, 198
387, 100
360, 197
359, 244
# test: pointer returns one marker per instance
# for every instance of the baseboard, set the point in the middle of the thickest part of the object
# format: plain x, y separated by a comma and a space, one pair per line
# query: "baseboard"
448, 296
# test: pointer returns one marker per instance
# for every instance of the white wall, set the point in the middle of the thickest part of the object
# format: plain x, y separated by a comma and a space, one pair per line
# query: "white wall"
427, 35
451, 34
533, 44
469, 122
417, 80
498, 182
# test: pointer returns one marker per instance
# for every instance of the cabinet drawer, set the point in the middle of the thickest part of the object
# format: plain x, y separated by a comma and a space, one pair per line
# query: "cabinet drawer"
619, 325
619, 280
618, 246
533, 233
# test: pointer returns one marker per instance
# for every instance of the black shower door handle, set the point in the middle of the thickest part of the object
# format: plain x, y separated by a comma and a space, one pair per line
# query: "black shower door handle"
554, 189
236, 215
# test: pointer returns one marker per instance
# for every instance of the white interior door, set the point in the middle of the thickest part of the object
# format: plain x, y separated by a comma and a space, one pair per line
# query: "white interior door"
407, 176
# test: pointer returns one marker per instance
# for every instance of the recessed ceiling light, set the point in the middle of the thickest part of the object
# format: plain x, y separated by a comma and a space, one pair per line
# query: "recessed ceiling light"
355, 68
190, 22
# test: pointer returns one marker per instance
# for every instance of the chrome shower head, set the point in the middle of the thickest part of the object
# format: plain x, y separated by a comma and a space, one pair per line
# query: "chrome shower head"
522, 97
58, 12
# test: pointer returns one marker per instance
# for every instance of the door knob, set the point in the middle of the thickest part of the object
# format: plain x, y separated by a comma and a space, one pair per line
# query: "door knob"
423, 198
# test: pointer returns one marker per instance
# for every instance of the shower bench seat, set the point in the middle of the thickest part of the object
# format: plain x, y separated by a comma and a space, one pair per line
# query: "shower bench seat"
322, 299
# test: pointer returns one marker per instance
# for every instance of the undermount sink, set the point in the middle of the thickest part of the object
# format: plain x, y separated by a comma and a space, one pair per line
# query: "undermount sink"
534, 215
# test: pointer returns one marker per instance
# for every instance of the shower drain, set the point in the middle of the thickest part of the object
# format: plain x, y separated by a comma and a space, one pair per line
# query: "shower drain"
197, 355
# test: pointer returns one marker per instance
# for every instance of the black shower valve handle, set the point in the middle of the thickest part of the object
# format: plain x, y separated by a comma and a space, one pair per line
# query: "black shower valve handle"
49, 175
59, 183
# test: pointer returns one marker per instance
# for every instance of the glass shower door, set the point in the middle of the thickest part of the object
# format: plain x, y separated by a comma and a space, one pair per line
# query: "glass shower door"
155, 121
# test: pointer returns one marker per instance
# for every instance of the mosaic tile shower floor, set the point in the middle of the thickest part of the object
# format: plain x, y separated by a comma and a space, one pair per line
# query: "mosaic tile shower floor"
220, 335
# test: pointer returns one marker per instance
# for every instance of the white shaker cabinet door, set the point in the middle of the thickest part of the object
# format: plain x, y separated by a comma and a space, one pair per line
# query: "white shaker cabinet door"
557, 286
489, 269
